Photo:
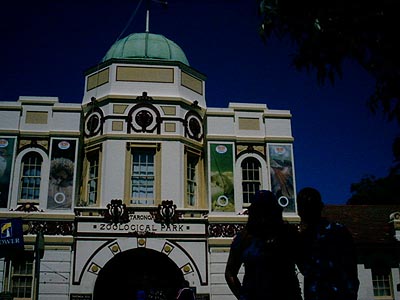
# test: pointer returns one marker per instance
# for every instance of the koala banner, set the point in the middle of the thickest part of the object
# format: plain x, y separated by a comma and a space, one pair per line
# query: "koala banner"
7, 146
62, 174
282, 178
222, 180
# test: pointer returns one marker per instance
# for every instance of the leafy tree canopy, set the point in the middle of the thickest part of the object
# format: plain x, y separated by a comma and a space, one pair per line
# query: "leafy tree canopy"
327, 32
374, 191
386, 190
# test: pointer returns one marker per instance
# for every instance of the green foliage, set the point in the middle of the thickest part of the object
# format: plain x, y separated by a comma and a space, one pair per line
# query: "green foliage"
374, 191
386, 190
325, 33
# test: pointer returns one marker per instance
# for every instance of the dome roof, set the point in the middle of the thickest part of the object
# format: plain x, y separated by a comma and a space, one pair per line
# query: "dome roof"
146, 46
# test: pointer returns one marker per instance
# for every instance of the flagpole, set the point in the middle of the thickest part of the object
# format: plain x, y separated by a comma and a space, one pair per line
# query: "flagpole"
39, 252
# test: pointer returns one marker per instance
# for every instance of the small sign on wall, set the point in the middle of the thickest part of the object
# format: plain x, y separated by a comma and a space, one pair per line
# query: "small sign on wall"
80, 297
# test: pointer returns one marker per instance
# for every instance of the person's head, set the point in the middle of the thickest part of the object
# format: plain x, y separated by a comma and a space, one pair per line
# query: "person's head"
185, 284
309, 205
264, 212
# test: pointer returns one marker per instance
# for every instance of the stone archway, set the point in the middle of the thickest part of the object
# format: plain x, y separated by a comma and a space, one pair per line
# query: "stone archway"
136, 270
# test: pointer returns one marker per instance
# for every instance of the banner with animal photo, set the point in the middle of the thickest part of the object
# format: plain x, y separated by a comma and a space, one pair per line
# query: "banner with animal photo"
62, 174
221, 177
7, 146
282, 174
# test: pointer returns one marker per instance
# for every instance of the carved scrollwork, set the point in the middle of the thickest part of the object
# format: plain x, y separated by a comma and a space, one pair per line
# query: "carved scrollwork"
28, 207
116, 212
224, 230
50, 227
166, 213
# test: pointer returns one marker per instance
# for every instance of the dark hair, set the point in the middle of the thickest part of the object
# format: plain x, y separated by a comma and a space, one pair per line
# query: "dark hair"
310, 197
309, 206
264, 213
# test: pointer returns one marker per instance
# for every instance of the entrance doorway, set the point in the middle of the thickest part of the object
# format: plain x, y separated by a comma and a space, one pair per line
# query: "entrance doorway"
138, 274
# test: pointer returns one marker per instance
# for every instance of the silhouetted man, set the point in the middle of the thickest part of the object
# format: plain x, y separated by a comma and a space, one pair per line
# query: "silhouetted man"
327, 255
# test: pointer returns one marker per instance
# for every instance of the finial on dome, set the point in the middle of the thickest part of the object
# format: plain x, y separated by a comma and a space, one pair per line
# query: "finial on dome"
164, 4
147, 20
147, 15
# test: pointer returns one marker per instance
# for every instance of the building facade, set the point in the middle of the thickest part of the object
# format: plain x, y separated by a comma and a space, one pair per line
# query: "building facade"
140, 186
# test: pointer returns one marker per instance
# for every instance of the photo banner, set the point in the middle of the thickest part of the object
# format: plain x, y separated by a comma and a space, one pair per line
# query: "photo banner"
7, 146
221, 177
11, 237
62, 174
282, 178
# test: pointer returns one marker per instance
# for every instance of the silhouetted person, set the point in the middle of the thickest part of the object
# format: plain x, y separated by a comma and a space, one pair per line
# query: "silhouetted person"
185, 292
327, 255
266, 249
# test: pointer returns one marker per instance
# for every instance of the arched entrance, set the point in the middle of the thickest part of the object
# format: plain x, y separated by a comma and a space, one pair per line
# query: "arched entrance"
136, 271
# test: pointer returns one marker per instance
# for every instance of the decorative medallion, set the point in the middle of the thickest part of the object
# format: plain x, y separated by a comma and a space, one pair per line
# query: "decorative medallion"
116, 212
167, 248
193, 126
141, 241
114, 248
186, 269
144, 119
94, 268
93, 122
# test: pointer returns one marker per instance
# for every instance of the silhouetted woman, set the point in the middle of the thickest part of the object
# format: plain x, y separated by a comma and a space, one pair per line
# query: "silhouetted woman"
266, 248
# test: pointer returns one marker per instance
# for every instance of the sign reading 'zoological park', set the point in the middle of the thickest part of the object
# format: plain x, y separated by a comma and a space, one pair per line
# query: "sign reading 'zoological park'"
142, 222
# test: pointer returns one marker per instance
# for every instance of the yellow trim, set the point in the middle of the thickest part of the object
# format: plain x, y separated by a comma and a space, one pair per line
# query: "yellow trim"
168, 110
65, 240
250, 139
220, 250
227, 219
144, 74
249, 123
26, 133
143, 137
37, 216
97, 150
169, 127
97, 79
37, 117
270, 115
157, 100
119, 108
117, 125
77, 108
201, 200
192, 83
218, 242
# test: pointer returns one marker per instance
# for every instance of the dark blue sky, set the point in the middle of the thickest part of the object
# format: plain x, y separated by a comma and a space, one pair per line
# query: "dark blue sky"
45, 46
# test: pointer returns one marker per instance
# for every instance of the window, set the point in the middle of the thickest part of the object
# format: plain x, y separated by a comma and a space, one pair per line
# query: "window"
382, 283
143, 176
191, 178
31, 166
93, 177
251, 178
21, 279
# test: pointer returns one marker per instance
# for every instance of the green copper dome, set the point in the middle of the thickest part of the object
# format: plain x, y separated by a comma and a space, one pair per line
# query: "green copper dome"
146, 46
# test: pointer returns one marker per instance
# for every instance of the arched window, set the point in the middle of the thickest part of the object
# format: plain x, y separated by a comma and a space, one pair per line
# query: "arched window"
251, 178
31, 166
